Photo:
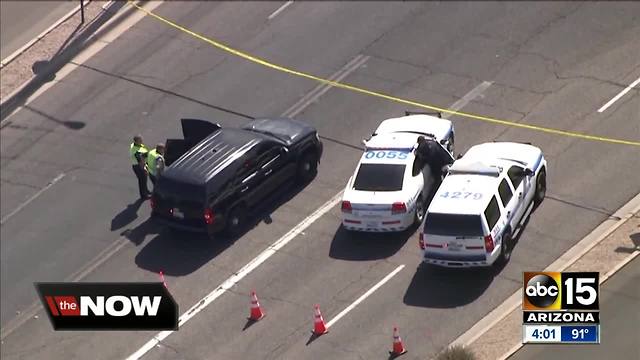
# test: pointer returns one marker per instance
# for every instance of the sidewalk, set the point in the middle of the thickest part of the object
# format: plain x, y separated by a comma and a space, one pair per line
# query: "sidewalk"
620, 324
38, 65
21, 21
505, 337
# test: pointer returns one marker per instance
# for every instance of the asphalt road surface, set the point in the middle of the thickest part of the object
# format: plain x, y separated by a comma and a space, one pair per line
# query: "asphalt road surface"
21, 21
620, 300
549, 63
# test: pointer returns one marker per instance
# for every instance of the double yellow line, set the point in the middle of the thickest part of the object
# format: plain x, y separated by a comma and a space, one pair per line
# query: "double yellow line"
337, 84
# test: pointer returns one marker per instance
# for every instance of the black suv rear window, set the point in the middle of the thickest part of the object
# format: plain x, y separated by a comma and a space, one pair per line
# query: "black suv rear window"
379, 177
182, 192
453, 225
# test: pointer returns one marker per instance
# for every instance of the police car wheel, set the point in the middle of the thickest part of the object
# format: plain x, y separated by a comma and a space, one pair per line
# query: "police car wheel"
420, 210
307, 167
507, 247
541, 186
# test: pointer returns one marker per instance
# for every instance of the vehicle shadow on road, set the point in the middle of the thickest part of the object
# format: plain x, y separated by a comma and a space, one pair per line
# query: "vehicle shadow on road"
435, 287
179, 253
360, 246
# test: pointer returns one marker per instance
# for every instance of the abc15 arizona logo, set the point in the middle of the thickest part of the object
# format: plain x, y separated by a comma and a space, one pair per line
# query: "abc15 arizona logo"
549, 291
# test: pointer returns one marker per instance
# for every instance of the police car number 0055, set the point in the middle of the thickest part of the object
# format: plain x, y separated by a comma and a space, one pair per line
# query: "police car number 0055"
461, 195
386, 155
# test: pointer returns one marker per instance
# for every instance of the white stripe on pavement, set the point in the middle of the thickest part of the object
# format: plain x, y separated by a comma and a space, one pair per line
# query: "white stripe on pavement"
474, 93
621, 94
364, 296
21, 206
321, 89
235, 278
280, 9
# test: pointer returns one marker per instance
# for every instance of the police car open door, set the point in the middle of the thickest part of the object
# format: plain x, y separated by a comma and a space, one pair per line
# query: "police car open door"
193, 131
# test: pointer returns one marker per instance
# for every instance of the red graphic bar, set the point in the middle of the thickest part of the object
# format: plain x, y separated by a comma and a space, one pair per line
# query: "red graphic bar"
52, 306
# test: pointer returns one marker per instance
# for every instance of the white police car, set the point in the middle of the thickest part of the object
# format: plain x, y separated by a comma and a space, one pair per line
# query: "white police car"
383, 194
482, 203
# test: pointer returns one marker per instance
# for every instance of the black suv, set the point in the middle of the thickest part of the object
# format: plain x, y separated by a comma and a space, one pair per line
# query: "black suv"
216, 175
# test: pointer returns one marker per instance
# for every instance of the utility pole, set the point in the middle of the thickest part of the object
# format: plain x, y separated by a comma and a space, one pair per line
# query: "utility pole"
82, 11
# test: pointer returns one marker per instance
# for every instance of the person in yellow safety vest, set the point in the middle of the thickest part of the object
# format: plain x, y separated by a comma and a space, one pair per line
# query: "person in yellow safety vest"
155, 162
137, 155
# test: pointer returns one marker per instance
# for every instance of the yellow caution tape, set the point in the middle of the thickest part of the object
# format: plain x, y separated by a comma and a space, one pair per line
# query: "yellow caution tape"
377, 94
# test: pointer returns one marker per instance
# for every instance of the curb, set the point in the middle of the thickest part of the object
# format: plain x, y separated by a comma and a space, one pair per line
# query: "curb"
29, 44
601, 232
604, 278
12, 102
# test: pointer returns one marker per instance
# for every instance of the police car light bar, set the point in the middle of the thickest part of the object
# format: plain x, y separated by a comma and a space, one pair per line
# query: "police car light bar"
388, 148
437, 113
475, 168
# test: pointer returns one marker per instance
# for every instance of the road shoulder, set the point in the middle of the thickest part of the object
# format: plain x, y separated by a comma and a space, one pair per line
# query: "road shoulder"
608, 256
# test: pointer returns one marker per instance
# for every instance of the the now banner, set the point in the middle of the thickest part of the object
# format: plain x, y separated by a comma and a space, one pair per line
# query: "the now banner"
109, 306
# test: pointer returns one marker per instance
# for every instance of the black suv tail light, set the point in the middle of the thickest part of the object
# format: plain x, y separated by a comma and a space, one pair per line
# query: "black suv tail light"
208, 216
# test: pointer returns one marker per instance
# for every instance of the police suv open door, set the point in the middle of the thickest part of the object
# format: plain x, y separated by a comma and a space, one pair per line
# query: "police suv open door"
193, 131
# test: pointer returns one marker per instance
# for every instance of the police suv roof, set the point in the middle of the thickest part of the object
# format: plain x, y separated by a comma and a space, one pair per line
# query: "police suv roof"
467, 189
214, 154
505, 154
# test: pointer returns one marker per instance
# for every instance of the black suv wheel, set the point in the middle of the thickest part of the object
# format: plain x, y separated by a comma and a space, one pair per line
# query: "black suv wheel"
307, 167
236, 220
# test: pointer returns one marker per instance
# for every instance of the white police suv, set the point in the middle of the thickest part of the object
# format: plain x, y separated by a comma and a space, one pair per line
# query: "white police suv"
482, 203
383, 194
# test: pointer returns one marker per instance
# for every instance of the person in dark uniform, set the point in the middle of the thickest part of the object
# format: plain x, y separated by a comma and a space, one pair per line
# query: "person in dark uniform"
430, 153
137, 155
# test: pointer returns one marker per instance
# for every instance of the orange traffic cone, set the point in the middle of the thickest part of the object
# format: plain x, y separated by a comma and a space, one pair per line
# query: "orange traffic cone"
256, 311
398, 348
318, 323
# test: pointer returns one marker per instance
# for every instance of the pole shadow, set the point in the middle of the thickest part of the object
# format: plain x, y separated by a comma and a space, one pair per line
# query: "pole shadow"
635, 238
45, 70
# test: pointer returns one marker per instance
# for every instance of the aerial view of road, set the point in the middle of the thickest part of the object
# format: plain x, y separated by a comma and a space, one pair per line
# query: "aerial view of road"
70, 208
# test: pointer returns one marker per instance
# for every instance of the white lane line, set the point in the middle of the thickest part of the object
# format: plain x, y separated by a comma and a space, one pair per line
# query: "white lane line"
364, 296
36, 306
474, 93
280, 9
564, 261
235, 278
321, 89
621, 94
21, 206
